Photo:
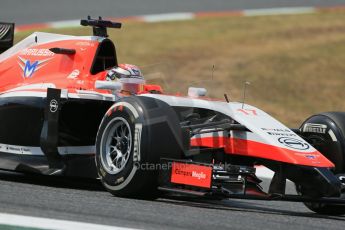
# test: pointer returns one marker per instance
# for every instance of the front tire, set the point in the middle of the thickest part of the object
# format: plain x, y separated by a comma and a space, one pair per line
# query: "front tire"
134, 134
326, 132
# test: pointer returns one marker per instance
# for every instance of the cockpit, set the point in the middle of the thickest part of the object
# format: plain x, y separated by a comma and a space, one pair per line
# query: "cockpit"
105, 57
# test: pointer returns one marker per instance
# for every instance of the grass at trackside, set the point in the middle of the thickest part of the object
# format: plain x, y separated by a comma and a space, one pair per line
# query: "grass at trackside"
296, 64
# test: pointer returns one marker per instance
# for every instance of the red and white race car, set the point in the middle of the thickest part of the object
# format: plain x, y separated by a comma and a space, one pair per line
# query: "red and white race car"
60, 116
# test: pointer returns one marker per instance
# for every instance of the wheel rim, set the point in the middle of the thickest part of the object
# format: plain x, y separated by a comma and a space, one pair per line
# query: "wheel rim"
116, 145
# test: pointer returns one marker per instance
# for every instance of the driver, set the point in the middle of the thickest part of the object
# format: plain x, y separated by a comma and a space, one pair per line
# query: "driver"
129, 76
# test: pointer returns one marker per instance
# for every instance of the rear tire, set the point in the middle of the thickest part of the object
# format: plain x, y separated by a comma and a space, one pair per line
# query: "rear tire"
326, 133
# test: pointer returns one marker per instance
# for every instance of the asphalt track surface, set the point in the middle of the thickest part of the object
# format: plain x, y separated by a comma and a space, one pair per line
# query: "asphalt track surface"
38, 11
87, 201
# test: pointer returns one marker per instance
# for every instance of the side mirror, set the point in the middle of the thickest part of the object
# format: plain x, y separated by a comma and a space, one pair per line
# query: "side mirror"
196, 92
110, 85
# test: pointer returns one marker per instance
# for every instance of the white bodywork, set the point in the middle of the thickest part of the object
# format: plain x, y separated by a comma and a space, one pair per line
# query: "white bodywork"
265, 129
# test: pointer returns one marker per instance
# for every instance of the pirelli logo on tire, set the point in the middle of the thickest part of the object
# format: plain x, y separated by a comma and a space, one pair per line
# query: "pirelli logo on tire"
191, 174
314, 128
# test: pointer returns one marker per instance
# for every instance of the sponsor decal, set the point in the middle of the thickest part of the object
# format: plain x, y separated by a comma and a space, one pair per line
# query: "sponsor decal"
30, 67
199, 175
119, 181
114, 109
53, 105
294, 143
80, 82
137, 140
15, 149
314, 128
279, 132
310, 156
248, 112
37, 52
102, 171
191, 174
282, 134
75, 73
85, 43
314, 158
276, 130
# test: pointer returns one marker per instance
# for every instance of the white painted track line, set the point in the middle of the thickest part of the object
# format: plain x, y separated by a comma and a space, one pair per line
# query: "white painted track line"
279, 11
167, 17
47, 223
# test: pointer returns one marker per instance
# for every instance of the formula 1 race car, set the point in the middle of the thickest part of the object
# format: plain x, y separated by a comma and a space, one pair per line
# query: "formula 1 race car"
59, 116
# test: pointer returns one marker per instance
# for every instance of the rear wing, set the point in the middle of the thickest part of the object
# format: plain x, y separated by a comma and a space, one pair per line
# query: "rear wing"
6, 36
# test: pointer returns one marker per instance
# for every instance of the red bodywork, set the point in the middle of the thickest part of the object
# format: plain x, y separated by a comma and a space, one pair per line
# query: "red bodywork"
260, 150
56, 69
65, 71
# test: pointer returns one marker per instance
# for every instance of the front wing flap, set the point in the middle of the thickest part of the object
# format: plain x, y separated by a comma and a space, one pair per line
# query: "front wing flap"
212, 181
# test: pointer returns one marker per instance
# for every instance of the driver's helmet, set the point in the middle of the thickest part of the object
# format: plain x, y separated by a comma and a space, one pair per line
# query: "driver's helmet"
129, 76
